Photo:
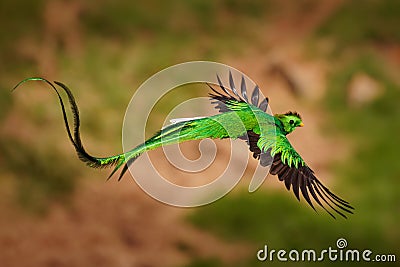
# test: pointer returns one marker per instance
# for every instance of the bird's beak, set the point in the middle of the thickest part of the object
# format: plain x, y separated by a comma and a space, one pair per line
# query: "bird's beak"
301, 124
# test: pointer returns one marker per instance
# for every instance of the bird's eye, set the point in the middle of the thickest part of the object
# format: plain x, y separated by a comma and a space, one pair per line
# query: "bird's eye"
291, 122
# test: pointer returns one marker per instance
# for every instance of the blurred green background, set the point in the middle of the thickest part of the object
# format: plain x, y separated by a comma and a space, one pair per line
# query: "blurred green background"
335, 62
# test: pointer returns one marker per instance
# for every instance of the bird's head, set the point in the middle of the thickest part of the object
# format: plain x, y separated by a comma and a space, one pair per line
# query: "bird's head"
290, 120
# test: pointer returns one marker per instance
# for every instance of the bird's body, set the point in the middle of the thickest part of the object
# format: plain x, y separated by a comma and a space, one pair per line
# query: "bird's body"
239, 117
232, 124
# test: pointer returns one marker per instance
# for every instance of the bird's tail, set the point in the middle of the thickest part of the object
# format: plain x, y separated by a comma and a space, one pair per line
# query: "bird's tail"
75, 136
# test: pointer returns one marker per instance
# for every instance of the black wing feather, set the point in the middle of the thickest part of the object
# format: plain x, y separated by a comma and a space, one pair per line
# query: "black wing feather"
233, 87
255, 95
228, 97
303, 178
243, 89
264, 104
252, 139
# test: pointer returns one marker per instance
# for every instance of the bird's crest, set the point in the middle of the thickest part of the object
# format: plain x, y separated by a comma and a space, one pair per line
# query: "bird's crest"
293, 114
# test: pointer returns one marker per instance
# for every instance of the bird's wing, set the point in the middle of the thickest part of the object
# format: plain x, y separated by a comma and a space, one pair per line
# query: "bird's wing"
230, 99
294, 172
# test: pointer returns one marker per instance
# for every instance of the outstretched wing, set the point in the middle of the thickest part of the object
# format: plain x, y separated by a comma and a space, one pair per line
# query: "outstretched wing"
294, 172
230, 99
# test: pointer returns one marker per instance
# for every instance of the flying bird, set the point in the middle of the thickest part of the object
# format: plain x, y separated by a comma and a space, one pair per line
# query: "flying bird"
240, 116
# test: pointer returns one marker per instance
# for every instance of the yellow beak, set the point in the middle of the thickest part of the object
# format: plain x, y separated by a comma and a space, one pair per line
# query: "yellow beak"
301, 124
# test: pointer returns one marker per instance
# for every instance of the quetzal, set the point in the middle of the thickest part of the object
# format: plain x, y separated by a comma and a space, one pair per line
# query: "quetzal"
240, 117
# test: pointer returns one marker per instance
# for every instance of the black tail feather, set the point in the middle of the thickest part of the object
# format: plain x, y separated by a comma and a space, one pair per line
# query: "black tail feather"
75, 138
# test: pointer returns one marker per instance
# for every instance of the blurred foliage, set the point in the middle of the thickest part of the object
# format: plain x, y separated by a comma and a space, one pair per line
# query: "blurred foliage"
5, 100
20, 18
172, 19
41, 176
197, 262
359, 22
373, 127
199, 30
165, 26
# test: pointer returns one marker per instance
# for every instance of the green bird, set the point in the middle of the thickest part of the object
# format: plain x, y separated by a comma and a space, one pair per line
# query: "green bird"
239, 117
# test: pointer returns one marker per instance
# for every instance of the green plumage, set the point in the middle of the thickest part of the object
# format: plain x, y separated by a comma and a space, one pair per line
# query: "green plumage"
239, 117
